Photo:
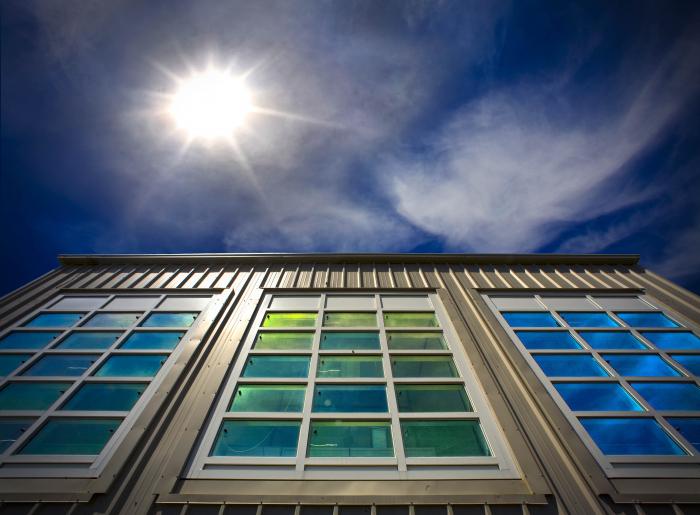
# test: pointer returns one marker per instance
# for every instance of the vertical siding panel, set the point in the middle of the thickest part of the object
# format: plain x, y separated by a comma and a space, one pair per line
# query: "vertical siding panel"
336, 277
136, 276
164, 277
321, 277
180, 277
33, 292
367, 272
550, 273
87, 275
194, 278
593, 275
409, 280
105, 277
467, 277
273, 276
577, 272
352, 276
627, 275
400, 276
540, 276
502, 275
474, 272
567, 277
288, 276
534, 275
225, 279
119, 277
609, 274
210, 278
415, 276
305, 276
440, 272
384, 278
518, 274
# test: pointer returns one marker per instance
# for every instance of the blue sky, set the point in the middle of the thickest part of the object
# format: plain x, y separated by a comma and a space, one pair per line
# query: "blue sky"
421, 126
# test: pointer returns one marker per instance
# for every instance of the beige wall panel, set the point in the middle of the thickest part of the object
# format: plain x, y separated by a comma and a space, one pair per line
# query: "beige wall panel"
226, 278
211, 276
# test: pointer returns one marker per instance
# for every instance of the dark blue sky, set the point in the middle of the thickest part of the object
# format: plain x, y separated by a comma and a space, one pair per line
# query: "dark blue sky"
418, 126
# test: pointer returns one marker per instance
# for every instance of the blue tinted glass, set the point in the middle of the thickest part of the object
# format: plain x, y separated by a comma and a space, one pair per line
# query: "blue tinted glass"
690, 361
585, 319
105, 396
72, 436
670, 396
338, 340
9, 362
11, 429
571, 366
62, 365
113, 320
132, 366
27, 340
646, 319
640, 365
275, 438
612, 340
627, 436
55, 320
350, 399
170, 320
597, 397
548, 340
31, 396
89, 340
689, 428
529, 319
682, 340
152, 340
277, 366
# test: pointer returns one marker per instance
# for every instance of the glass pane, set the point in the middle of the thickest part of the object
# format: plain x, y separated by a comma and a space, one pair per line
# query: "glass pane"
340, 438
268, 397
289, 319
670, 396
681, 340
529, 319
349, 341
72, 436
105, 396
569, 366
9, 362
689, 428
284, 341
639, 365
612, 340
89, 340
31, 396
170, 320
443, 438
629, 436
431, 397
277, 366
597, 397
112, 320
415, 341
55, 320
646, 319
132, 366
586, 319
690, 361
423, 366
148, 340
350, 399
410, 320
275, 438
350, 320
62, 365
350, 366
27, 340
547, 340
11, 429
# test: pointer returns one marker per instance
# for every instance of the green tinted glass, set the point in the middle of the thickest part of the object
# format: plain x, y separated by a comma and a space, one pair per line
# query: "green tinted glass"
443, 438
105, 397
31, 396
144, 365
410, 320
288, 319
284, 341
271, 438
341, 438
431, 397
72, 436
170, 319
349, 341
9, 362
112, 320
89, 340
350, 366
268, 397
415, 341
350, 320
152, 340
277, 366
423, 366
11, 429
27, 339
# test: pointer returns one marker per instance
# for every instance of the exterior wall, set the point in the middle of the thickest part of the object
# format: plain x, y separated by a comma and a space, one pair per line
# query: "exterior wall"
558, 473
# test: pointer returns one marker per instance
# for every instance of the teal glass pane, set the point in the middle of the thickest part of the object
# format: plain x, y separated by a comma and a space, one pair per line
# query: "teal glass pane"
597, 397
349, 341
289, 319
569, 366
413, 398
690, 361
284, 341
443, 438
612, 340
62, 365
407, 319
547, 340
630, 436
350, 439
350, 399
105, 397
55, 320
27, 340
112, 320
31, 396
529, 319
89, 340
72, 436
146, 365
152, 340
423, 366
689, 428
268, 397
170, 319
681, 340
586, 319
640, 365
646, 319
11, 429
277, 366
273, 438
9, 362
415, 341
670, 396
350, 366
350, 320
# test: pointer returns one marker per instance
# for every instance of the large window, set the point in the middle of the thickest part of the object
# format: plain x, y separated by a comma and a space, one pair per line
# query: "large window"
351, 385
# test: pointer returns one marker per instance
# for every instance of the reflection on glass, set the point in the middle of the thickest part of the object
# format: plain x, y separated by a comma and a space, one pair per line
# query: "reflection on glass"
350, 399
569, 366
121, 320
62, 365
350, 320
272, 438
689, 428
681, 340
612, 340
423, 366
72, 436
587, 319
89, 340
284, 341
547, 340
31, 396
11, 429
268, 397
597, 397
9, 362
340, 340
630, 436
288, 319
55, 320
647, 319
277, 366
415, 341
691, 362
344, 438
443, 438
408, 319
350, 366
170, 320
105, 397
640, 365
145, 365
27, 339
529, 319
414, 398
152, 340
670, 396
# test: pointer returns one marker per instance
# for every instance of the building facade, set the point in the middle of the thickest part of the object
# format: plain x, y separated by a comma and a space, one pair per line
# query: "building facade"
350, 384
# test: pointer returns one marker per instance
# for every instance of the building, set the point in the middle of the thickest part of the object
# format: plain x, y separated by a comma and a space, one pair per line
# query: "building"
350, 384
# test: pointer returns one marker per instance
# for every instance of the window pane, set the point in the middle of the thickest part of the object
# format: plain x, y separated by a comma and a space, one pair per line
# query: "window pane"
170, 320
443, 438
276, 438
350, 399
423, 366
284, 341
682, 340
349, 341
55, 320
629, 436
148, 340
63, 365
340, 438
639, 365
289, 320
547, 340
690, 361
112, 320
268, 397
410, 320
11, 429
597, 397
72, 436
646, 319
350, 320
612, 340
79, 303
89, 340
9, 362
277, 366
350, 366
31, 396
105, 397
584, 319
670, 396
415, 341
529, 319
689, 428
431, 397
27, 340
569, 366
132, 366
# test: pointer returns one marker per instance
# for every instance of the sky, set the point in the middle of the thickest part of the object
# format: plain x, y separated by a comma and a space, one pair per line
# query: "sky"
406, 126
